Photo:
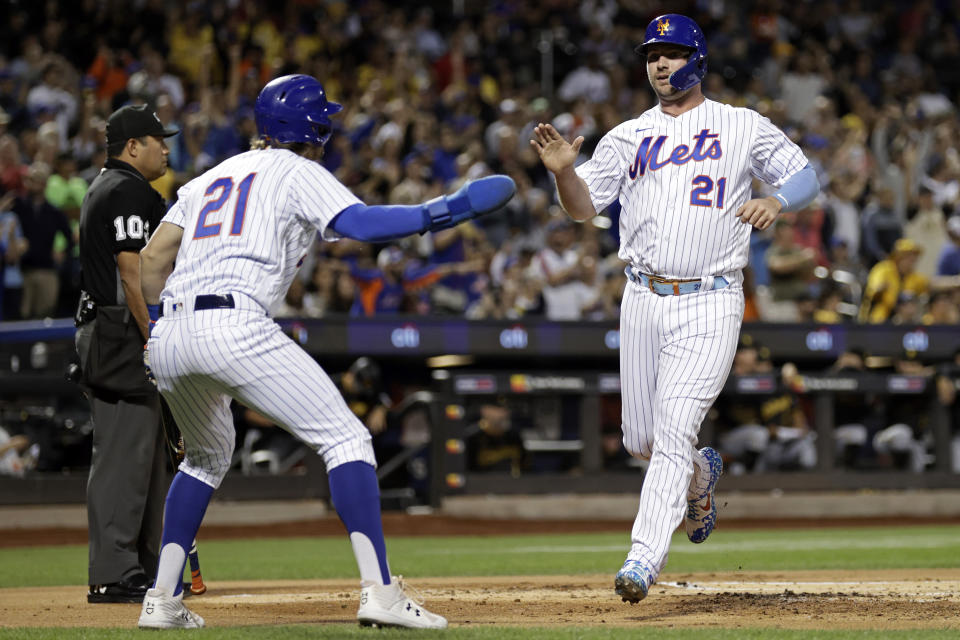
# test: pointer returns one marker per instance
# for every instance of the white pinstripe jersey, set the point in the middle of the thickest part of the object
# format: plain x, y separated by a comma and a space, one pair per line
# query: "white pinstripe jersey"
680, 181
248, 222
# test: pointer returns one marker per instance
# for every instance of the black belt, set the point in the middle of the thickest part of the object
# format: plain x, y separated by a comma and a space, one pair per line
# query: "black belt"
211, 301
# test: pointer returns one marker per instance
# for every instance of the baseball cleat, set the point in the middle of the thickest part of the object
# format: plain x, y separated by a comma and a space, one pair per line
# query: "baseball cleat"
633, 581
161, 611
702, 511
389, 606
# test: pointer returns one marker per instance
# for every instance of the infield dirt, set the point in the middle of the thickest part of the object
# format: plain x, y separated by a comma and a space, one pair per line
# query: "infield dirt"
791, 600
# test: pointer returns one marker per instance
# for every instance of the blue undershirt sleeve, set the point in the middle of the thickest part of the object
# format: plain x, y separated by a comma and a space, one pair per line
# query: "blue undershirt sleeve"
799, 190
379, 223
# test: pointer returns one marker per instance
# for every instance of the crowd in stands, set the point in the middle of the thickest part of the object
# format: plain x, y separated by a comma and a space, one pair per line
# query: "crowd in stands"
434, 96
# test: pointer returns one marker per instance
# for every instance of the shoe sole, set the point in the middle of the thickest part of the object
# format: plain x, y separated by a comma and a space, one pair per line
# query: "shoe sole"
160, 624
160, 627
379, 624
629, 590
375, 624
388, 620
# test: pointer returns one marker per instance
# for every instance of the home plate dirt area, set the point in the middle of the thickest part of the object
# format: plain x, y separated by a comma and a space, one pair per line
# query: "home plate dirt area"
888, 599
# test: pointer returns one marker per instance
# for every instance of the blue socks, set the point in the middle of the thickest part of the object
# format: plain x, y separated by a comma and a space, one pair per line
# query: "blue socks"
356, 497
353, 490
186, 504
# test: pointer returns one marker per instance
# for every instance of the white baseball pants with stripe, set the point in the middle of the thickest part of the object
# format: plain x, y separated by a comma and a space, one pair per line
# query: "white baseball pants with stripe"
202, 359
675, 356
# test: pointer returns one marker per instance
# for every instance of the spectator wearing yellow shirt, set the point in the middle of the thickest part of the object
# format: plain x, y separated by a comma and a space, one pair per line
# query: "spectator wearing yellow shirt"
889, 278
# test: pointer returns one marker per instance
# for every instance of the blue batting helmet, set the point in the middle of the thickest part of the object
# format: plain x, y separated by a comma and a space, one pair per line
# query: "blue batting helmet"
672, 28
294, 109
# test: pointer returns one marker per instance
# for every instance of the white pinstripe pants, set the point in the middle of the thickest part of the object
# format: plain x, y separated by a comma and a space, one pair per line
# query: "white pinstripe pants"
202, 359
675, 355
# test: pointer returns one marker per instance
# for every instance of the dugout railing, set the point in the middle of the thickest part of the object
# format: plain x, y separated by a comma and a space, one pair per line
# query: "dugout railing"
459, 388
574, 361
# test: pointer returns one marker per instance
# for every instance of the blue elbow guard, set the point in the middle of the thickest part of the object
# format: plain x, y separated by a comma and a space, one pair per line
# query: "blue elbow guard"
472, 200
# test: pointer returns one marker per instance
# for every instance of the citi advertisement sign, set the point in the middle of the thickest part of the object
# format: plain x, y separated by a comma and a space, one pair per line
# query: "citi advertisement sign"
406, 336
515, 337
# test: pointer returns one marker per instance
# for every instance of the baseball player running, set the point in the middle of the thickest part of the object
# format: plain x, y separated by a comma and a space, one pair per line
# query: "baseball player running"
238, 234
682, 172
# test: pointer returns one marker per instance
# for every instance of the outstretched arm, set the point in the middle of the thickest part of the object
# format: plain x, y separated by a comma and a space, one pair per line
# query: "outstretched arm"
387, 222
558, 156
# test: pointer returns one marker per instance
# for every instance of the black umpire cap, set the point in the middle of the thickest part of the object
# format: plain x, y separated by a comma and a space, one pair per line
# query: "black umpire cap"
135, 122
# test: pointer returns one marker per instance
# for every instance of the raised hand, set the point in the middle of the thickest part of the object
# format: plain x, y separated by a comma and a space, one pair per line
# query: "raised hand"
556, 154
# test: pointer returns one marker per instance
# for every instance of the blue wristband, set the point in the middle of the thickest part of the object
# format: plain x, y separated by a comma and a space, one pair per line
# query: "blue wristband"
153, 310
799, 190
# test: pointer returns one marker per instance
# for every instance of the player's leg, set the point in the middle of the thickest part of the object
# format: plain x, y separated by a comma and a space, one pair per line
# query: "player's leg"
639, 363
298, 395
701, 513
202, 412
284, 383
694, 364
640, 336
206, 424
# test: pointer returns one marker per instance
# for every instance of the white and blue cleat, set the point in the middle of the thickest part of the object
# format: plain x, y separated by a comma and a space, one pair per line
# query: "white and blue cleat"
702, 511
633, 581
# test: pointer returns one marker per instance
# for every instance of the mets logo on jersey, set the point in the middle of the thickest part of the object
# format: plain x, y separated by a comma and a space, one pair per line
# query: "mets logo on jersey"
662, 27
706, 146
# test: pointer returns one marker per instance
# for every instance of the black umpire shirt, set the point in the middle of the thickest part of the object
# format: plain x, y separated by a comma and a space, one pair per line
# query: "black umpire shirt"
119, 212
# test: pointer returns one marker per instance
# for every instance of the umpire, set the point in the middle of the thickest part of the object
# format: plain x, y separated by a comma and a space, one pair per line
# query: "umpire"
127, 483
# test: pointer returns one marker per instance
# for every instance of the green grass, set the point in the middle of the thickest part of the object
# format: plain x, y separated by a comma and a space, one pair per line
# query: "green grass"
315, 558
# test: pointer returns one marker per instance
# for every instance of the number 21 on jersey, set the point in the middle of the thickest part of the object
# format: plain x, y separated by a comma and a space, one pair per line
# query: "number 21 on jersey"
700, 195
218, 194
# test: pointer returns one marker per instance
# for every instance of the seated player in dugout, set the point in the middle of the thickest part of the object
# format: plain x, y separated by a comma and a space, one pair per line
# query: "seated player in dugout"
493, 444
362, 387
238, 234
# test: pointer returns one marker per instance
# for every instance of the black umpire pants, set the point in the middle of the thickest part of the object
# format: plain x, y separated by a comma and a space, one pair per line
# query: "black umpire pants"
127, 483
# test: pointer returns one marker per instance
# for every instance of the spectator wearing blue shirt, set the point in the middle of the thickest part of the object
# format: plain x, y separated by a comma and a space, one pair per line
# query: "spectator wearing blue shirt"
949, 262
380, 289
12, 246
41, 222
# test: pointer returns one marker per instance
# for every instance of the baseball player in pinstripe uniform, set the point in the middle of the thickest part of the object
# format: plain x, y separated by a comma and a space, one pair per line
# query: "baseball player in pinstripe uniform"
238, 234
682, 172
